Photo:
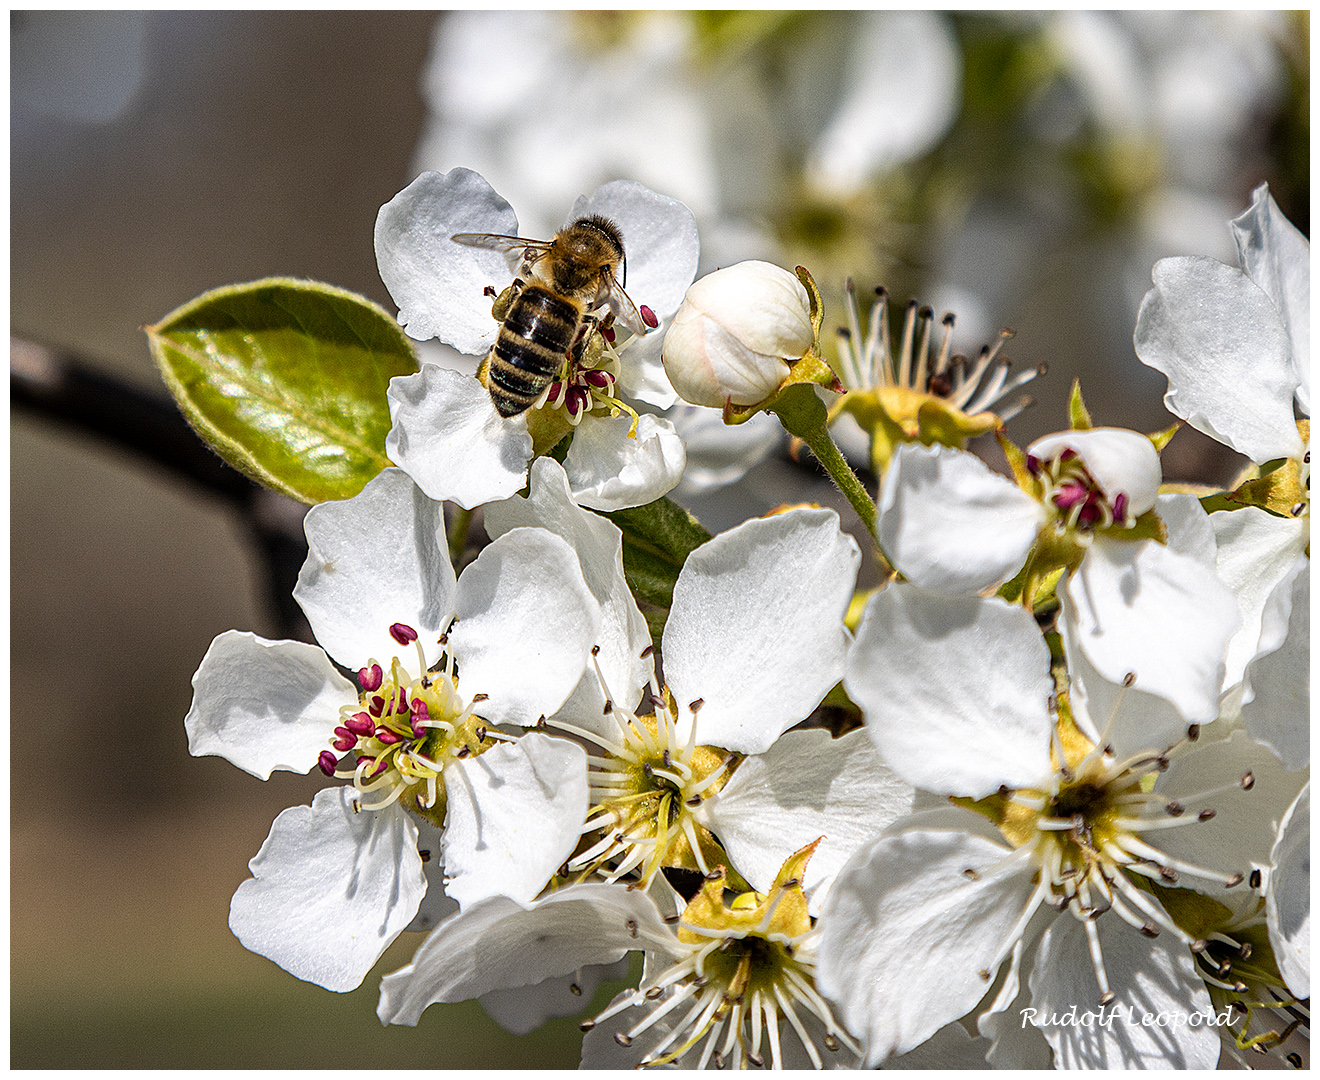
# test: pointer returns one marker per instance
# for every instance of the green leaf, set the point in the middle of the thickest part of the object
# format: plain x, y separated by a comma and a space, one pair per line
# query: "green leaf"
657, 539
286, 381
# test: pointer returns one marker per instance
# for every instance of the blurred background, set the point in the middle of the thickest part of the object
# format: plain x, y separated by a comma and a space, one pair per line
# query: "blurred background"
1021, 170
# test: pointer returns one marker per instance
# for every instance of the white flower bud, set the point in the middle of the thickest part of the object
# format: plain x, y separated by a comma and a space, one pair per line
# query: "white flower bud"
1121, 462
735, 334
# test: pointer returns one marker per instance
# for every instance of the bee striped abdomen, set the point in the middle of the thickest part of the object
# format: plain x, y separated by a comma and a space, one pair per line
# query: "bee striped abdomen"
532, 343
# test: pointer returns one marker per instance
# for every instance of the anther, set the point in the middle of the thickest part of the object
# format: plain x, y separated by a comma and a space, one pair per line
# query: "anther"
654, 992
1174, 808
481, 733
1255, 879
1197, 945
1234, 880
586, 1025
1129, 678
985, 975
403, 633
1107, 998
715, 875
631, 926
1205, 815
1245, 950
609, 708
327, 761
595, 650
574, 989
657, 701
726, 944
1297, 509
694, 800
972, 874
1247, 782
1150, 930
463, 752
424, 854
696, 705
647, 651
443, 639
717, 1059
671, 919
479, 698
831, 1043
648, 316
370, 678
622, 1039
758, 1061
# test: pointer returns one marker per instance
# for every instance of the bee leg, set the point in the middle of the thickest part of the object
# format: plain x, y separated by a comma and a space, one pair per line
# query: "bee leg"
503, 302
483, 371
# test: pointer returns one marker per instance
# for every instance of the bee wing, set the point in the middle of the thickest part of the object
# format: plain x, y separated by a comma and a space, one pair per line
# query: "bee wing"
625, 311
518, 251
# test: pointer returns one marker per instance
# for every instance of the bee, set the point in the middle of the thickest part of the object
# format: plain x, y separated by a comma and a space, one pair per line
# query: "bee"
559, 288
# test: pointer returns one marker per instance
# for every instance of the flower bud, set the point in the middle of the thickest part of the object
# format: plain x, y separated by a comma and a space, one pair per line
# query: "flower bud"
1123, 464
736, 333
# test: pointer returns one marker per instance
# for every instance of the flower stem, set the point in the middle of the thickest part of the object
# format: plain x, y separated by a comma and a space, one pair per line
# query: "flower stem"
803, 414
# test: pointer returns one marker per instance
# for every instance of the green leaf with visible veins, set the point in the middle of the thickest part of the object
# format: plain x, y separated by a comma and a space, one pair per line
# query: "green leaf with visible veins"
286, 381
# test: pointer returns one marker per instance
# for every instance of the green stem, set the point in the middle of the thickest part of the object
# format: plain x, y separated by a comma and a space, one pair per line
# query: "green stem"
458, 531
803, 414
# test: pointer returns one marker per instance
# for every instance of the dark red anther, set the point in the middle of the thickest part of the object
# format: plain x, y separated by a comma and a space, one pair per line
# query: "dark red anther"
419, 713
371, 678
403, 633
327, 761
1120, 506
607, 332
648, 317
1091, 513
388, 737
346, 741
360, 724
601, 380
1033, 464
576, 401
377, 705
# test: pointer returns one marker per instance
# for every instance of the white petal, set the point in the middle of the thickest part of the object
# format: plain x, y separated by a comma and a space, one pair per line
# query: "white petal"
624, 635
513, 815
500, 943
1288, 899
659, 240
521, 1009
1153, 978
907, 930
1219, 339
1120, 461
954, 690
756, 627
1013, 1044
265, 705
330, 889
720, 453
950, 524
526, 625
1242, 831
449, 438
607, 470
1156, 610
1279, 678
807, 786
439, 285
1125, 718
642, 372
1254, 550
377, 559
1277, 257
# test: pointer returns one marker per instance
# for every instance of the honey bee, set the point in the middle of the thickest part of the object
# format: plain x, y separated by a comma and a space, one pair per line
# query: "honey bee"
559, 288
